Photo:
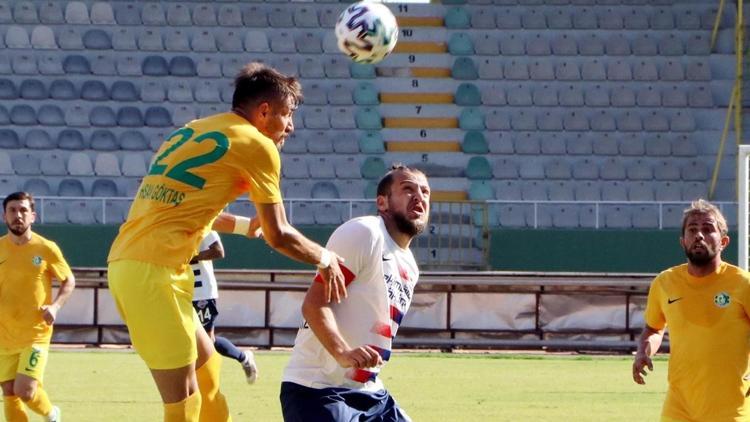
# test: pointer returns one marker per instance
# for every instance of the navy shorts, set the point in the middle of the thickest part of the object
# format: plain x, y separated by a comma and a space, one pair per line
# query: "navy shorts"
207, 312
302, 404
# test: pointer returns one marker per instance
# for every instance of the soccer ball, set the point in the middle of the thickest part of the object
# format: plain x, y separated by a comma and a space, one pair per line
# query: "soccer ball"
366, 31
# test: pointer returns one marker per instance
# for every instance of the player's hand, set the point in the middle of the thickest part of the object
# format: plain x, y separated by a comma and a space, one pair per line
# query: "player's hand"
334, 283
640, 364
360, 357
49, 313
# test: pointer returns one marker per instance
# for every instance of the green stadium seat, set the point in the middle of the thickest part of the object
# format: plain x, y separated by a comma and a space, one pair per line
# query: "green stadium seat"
457, 18
481, 190
366, 94
371, 142
474, 143
471, 119
479, 168
467, 94
362, 71
373, 168
460, 44
368, 118
371, 190
464, 69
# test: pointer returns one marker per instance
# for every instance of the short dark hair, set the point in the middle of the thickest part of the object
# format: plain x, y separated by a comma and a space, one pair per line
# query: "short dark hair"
18, 196
384, 186
257, 83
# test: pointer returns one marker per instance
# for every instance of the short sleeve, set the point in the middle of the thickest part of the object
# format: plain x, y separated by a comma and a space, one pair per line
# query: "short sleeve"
654, 315
211, 238
264, 173
57, 266
356, 242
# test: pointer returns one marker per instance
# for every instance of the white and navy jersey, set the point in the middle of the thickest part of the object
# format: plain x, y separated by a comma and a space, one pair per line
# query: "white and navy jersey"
381, 277
205, 280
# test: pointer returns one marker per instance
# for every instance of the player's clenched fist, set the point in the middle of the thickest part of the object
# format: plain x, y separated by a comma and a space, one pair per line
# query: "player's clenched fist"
49, 313
360, 357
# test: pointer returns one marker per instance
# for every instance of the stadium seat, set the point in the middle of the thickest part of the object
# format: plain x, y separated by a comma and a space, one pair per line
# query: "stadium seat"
645, 217
71, 139
486, 45
636, 19
53, 212
478, 168
76, 65
43, 38
339, 94
593, 71
103, 188
151, 40
505, 168
178, 14
571, 96
4, 116
204, 15
38, 139
464, 69
96, 39
8, 90
488, 69
467, 94
614, 191
229, 15
82, 212
24, 65
50, 13
471, 119
155, 66
371, 142
459, 44
71, 187
494, 95
17, 37
32, 89
474, 142
129, 117
103, 140
157, 117
373, 168
70, 39
23, 115
123, 39
127, 14
106, 164
102, 116
37, 187
9, 140
27, 164
700, 96
590, 45
77, 13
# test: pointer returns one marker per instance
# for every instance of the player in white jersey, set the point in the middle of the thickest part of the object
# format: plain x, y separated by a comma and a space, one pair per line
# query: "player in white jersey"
204, 301
339, 351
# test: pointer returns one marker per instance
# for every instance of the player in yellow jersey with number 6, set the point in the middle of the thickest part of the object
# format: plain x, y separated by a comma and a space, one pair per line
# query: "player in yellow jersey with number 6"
199, 169
28, 263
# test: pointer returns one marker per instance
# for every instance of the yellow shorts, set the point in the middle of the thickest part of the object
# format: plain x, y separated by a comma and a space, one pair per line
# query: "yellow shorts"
29, 361
156, 303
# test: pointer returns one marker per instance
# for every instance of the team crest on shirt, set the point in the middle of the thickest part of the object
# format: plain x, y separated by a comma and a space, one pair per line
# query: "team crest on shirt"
722, 300
37, 260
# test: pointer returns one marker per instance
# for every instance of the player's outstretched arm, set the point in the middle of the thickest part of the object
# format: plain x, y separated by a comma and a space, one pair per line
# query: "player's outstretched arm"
49, 312
230, 223
317, 312
281, 236
648, 344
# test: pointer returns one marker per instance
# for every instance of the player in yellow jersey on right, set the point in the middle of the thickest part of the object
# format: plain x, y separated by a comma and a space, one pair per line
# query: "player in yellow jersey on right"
705, 303
199, 169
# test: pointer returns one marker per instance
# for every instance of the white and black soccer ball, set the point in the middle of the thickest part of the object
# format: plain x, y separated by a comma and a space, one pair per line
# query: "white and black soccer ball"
366, 31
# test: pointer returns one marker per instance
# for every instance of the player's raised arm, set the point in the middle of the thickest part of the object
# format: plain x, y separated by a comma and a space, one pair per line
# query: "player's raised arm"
236, 224
648, 345
281, 236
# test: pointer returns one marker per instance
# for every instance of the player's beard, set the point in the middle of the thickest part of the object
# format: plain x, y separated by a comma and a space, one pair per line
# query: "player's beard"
13, 228
700, 259
406, 226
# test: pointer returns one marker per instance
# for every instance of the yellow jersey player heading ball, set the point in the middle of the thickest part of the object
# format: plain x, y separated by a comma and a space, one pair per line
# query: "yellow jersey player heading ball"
199, 169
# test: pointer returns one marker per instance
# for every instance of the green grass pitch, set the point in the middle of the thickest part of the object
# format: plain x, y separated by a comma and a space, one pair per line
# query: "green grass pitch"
115, 386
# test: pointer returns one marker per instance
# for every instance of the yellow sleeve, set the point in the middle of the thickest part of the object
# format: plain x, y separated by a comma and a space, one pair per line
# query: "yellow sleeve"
265, 175
654, 316
57, 265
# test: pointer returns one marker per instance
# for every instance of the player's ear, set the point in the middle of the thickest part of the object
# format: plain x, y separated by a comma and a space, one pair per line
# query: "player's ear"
382, 203
724, 241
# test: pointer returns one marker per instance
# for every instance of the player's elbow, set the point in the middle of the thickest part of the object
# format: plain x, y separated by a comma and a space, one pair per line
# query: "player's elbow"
274, 238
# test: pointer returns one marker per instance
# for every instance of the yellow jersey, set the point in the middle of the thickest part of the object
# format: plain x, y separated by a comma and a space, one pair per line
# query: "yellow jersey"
709, 335
26, 273
197, 171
